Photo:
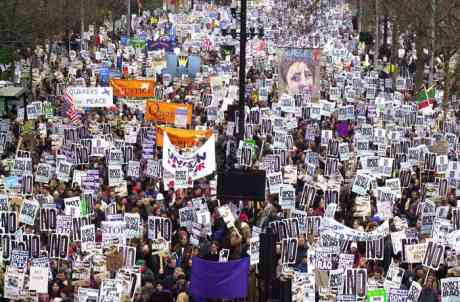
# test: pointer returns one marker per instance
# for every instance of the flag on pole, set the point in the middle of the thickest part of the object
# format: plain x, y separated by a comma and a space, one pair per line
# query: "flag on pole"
69, 109
425, 97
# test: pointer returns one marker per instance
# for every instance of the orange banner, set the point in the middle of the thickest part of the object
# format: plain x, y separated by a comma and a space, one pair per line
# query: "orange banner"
182, 138
133, 88
163, 112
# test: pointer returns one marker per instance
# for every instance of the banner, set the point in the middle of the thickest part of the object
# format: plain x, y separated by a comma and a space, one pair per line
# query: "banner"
179, 115
299, 70
182, 138
339, 230
229, 279
201, 162
88, 294
133, 88
91, 97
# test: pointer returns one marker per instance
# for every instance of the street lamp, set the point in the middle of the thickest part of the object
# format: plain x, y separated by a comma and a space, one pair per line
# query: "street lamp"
243, 35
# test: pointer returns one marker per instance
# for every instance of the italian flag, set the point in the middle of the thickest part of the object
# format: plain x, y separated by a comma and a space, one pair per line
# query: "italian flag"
425, 97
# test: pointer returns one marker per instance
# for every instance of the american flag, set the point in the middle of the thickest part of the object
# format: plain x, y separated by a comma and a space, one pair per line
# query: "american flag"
69, 109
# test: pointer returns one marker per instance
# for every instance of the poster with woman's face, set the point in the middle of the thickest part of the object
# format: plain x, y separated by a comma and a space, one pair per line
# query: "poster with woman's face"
299, 70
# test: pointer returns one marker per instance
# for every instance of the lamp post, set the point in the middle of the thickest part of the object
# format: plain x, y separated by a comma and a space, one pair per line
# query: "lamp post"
242, 74
243, 36
129, 18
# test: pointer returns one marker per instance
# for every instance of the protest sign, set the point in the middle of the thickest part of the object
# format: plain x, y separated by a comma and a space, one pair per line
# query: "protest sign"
133, 225
8, 221
374, 249
254, 250
88, 294
434, 255
159, 231
289, 250
88, 236
28, 212
38, 279
19, 259
115, 175
450, 289
113, 232
415, 290
355, 282
58, 246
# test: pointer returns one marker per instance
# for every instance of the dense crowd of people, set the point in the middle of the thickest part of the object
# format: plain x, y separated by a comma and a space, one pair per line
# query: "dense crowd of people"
109, 167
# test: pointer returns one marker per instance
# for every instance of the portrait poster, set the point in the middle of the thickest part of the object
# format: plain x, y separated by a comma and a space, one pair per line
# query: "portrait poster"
299, 70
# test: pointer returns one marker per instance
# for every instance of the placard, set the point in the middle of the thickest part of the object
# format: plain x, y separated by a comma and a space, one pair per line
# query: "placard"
28, 212
88, 236
374, 249
434, 255
355, 282
289, 250
254, 250
115, 175
160, 232
58, 246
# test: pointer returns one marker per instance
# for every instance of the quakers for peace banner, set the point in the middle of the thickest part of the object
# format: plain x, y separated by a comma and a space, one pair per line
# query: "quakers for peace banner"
182, 138
201, 162
169, 113
91, 97
133, 88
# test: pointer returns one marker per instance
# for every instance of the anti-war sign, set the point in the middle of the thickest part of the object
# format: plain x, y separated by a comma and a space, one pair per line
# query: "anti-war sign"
201, 162
450, 289
113, 232
91, 97
133, 225
88, 236
289, 250
355, 282
160, 232
58, 246
374, 249
48, 218
434, 255
28, 212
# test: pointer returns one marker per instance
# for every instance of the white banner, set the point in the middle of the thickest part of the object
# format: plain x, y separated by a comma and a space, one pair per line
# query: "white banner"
201, 162
91, 97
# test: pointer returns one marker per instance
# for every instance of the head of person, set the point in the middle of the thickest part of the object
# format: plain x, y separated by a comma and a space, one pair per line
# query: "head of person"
297, 70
